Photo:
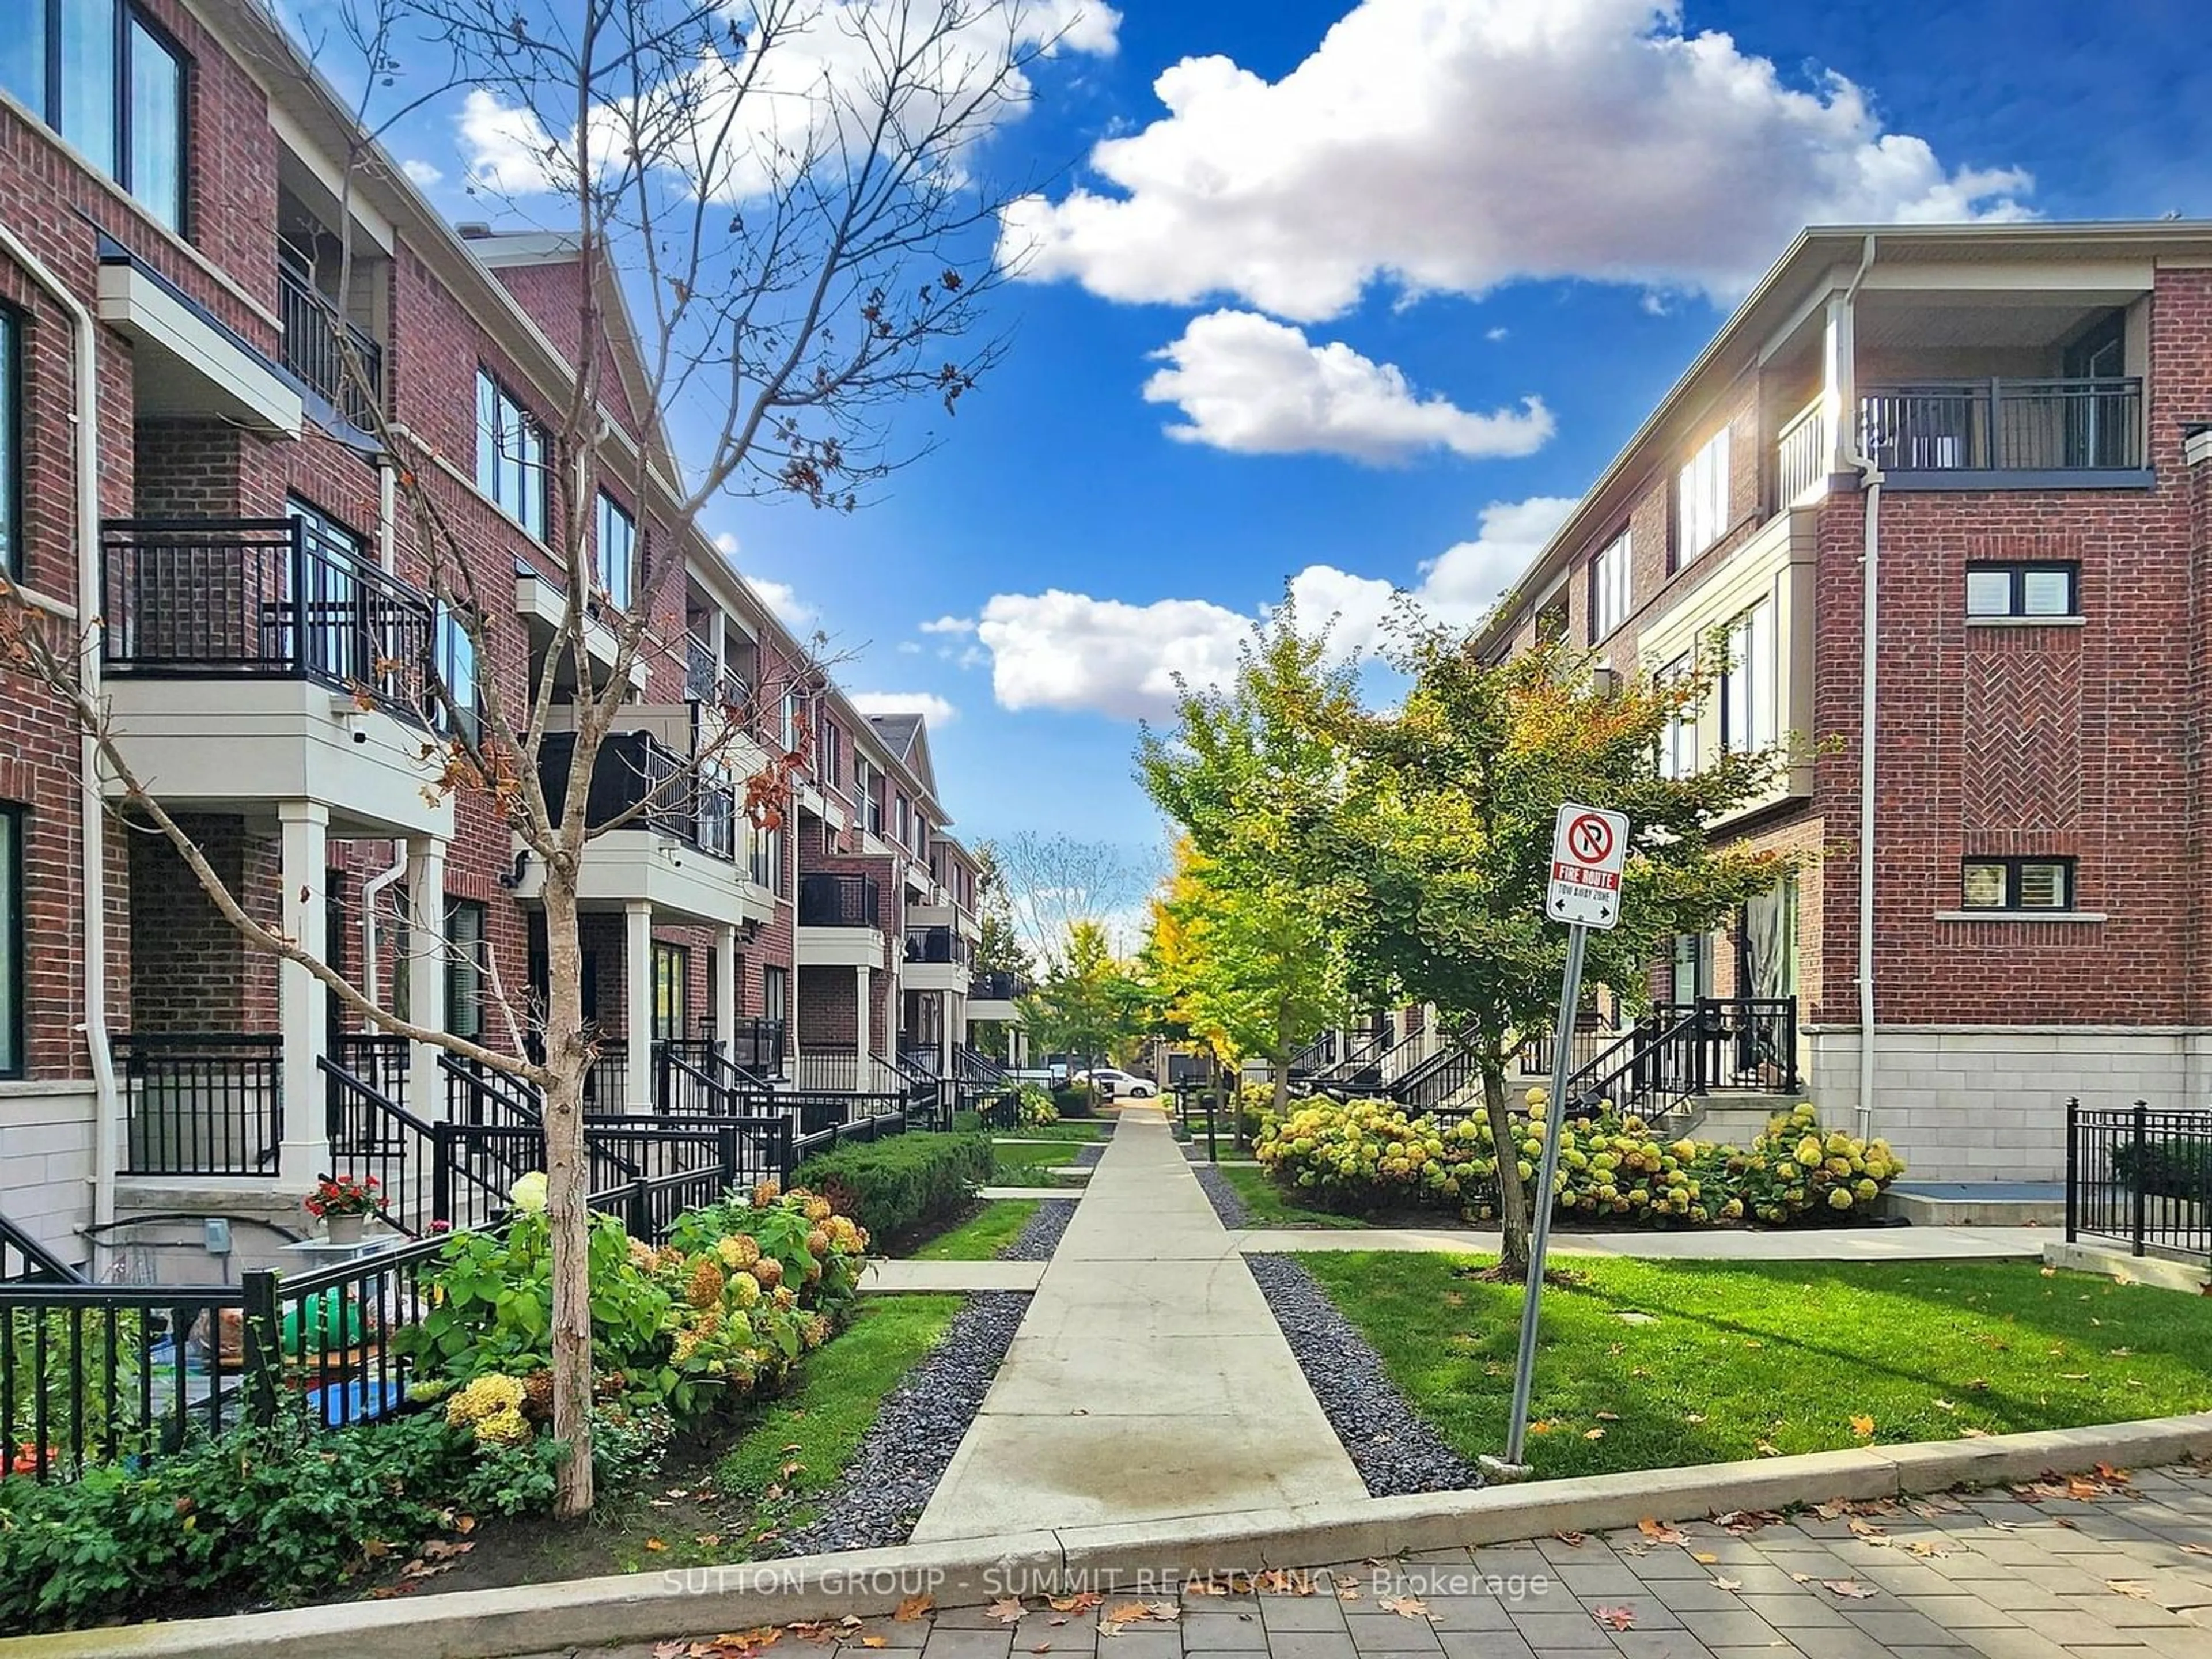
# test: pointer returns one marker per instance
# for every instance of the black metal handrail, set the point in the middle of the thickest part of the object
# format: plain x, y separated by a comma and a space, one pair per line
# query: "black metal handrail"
828, 900
841, 1072
1745, 1043
638, 774
2141, 1177
996, 987
1993, 424
1316, 1055
202, 1103
25, 1260
756, 1046
1359, 1051
476, 1093
259, 598
939, 944
337, 358
1441, 1079
1651, 1073
371, 1133
377, 1058
974, 1067
692, 1076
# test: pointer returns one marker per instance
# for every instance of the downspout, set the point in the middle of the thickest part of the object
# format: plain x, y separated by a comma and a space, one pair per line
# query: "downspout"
92, 811
1869, 569
370, 891
387, 513
387, 541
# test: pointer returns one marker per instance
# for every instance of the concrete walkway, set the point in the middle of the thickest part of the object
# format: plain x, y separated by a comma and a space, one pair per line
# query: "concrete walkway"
1148, 1381
1713, 1244
954, 1278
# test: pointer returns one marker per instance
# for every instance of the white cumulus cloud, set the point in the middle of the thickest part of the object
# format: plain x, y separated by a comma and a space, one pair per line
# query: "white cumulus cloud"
782, 599
1073, 652
421, 173
950, 625
1255, 387
927, 704
1453, 145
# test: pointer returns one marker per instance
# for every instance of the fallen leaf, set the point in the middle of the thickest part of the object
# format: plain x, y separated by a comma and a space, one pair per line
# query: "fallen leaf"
1767, 1449
669, 1650
1924, 1547
708, 1540
1405, 1607
875, 1641
1608, 1417
1593, 1434
1693, 1416
1198, 1587
1661, 1535
913, 1607
1865, 1529
2133, 1587
654, 1544
1704, 1558
1615, 1617
1727, 1584
1084, 1600
1007, 1609
1942, 1405
1573, 1541
1863, 1428
1849, 1588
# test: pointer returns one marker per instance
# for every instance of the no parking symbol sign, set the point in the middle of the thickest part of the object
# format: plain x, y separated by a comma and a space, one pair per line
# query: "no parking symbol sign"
1589, 848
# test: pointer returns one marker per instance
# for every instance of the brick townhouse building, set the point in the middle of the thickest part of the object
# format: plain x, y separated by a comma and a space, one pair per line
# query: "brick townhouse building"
187, 483
1984, 448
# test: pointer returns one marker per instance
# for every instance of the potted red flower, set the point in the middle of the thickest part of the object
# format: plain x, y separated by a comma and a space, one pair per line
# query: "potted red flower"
343, 1205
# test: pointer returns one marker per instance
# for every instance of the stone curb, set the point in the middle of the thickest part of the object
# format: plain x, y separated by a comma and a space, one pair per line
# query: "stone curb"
586, 1613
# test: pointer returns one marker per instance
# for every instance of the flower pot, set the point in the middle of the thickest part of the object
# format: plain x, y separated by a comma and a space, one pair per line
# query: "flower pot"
345, 1229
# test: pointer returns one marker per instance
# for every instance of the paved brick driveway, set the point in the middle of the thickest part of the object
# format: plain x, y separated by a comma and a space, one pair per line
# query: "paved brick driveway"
2101, 1571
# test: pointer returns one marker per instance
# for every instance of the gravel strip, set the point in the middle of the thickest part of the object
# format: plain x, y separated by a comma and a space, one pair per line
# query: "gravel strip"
899, 1460
1227, 1205
1395, 1451
1040, 1235
1088, 1154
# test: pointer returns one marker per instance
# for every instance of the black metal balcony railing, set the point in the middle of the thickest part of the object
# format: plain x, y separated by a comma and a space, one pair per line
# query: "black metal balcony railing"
255, 598
2004, 426
338, 359
927, 944
635, 768
997, 988
202, 1103
833, 900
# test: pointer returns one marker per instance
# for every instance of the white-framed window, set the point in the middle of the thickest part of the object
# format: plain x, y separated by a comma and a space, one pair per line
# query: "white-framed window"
1748, 683
616, 549
457, 666
831, 755
1678, 741
868, 785
1701, 499
510, 454
905, 823
1609, 588
110, 80
792, 704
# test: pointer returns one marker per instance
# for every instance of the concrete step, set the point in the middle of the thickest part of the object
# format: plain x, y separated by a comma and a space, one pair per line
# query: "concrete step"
1978, 1203
1738, 1120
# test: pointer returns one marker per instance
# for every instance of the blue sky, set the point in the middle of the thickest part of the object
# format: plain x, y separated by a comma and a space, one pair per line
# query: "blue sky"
1373, 233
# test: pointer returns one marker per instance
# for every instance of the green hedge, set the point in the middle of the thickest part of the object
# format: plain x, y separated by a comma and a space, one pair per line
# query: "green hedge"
891, 1186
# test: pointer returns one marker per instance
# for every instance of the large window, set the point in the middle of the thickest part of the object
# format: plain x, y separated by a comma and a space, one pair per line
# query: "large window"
1609, 588
2023, 590
1701, 500
106, 78
1747, 711
457, 667
2021, 884
775, 994
1678, 741
11, 942
791, 709
510, 455
468, 971
618, 550
11, 442
671, 983
831, 750
767, 860
868, 785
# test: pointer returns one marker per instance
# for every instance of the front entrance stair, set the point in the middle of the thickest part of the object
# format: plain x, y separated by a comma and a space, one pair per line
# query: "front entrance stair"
1737, 1120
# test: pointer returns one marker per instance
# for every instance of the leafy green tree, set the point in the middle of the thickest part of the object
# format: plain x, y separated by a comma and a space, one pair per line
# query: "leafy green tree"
999, 949
1252, 773
1441, 849
1088, 1004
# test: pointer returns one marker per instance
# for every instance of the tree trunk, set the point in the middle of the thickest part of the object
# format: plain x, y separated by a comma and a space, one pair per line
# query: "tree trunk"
1513, 1212
567, 1209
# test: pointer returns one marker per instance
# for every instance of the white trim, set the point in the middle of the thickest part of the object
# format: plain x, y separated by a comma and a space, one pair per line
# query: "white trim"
235, 383
33, 1088
1831, 1027
2027, 621
2022, 916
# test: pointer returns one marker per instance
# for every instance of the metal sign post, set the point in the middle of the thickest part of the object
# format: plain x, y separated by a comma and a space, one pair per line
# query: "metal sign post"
1588, 848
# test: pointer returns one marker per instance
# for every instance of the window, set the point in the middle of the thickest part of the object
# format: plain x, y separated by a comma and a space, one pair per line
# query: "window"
791, 722
2024, 883
905, 824
11, 442
104, 76
1678, 742
2023, 590
1701, 500
1609, 588
868, 785
467, 970
671, 976
457, 668
510, 455
11, 941
767, 860
832, 754
618, 548
1691, 972
775, 994
1748, 683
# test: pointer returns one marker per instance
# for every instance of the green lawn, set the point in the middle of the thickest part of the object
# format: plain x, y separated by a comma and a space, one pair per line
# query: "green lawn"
1025, 1165
981, 1236
1752, 1359
1272, 1206
1076, 1129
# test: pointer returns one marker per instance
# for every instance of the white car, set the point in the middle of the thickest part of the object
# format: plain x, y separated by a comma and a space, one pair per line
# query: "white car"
1117, 1085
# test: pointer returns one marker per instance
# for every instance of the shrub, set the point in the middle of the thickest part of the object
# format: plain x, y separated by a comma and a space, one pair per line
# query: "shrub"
891, 1186
1034, 1108
1073, 1099
2178, 1167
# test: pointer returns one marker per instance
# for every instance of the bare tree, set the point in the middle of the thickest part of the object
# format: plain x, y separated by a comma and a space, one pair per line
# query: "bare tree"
1052, 882
784, 195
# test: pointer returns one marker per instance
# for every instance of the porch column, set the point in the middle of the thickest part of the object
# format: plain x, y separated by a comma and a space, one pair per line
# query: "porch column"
637, 967
1839, 382
302, 1004
862, 1069
948, 1005
426, 971
725, 989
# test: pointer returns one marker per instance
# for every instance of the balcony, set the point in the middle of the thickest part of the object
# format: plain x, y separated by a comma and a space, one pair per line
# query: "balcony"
250, 661
336, 359
995, 996
838, 921
936, 960
2075, 434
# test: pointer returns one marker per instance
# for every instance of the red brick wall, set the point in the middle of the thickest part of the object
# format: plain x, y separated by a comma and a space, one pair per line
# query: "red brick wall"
194, 971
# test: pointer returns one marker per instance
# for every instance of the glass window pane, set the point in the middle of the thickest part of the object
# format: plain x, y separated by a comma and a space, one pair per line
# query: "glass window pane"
464, 969
157, 108
2048, 593
2043, 887
11, 943
1985, 887
486, 435
1988, 592
11, 454
87, 52
23, 57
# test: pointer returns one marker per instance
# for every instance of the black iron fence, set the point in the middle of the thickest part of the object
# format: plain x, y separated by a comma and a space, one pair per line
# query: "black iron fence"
997, 988
259, 598
377, 1058
1743, 1043
201, 1103
935, 945
1590, 1038
2141, 1177
638, 781
2000, 425
826, 900
336, 357
371, 1133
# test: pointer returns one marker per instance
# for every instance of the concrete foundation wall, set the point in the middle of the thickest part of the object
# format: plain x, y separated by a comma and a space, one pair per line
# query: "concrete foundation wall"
1968, 1102
45, 1163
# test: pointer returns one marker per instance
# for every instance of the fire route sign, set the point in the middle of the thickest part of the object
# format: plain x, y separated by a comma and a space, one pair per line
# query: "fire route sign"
1589, 848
